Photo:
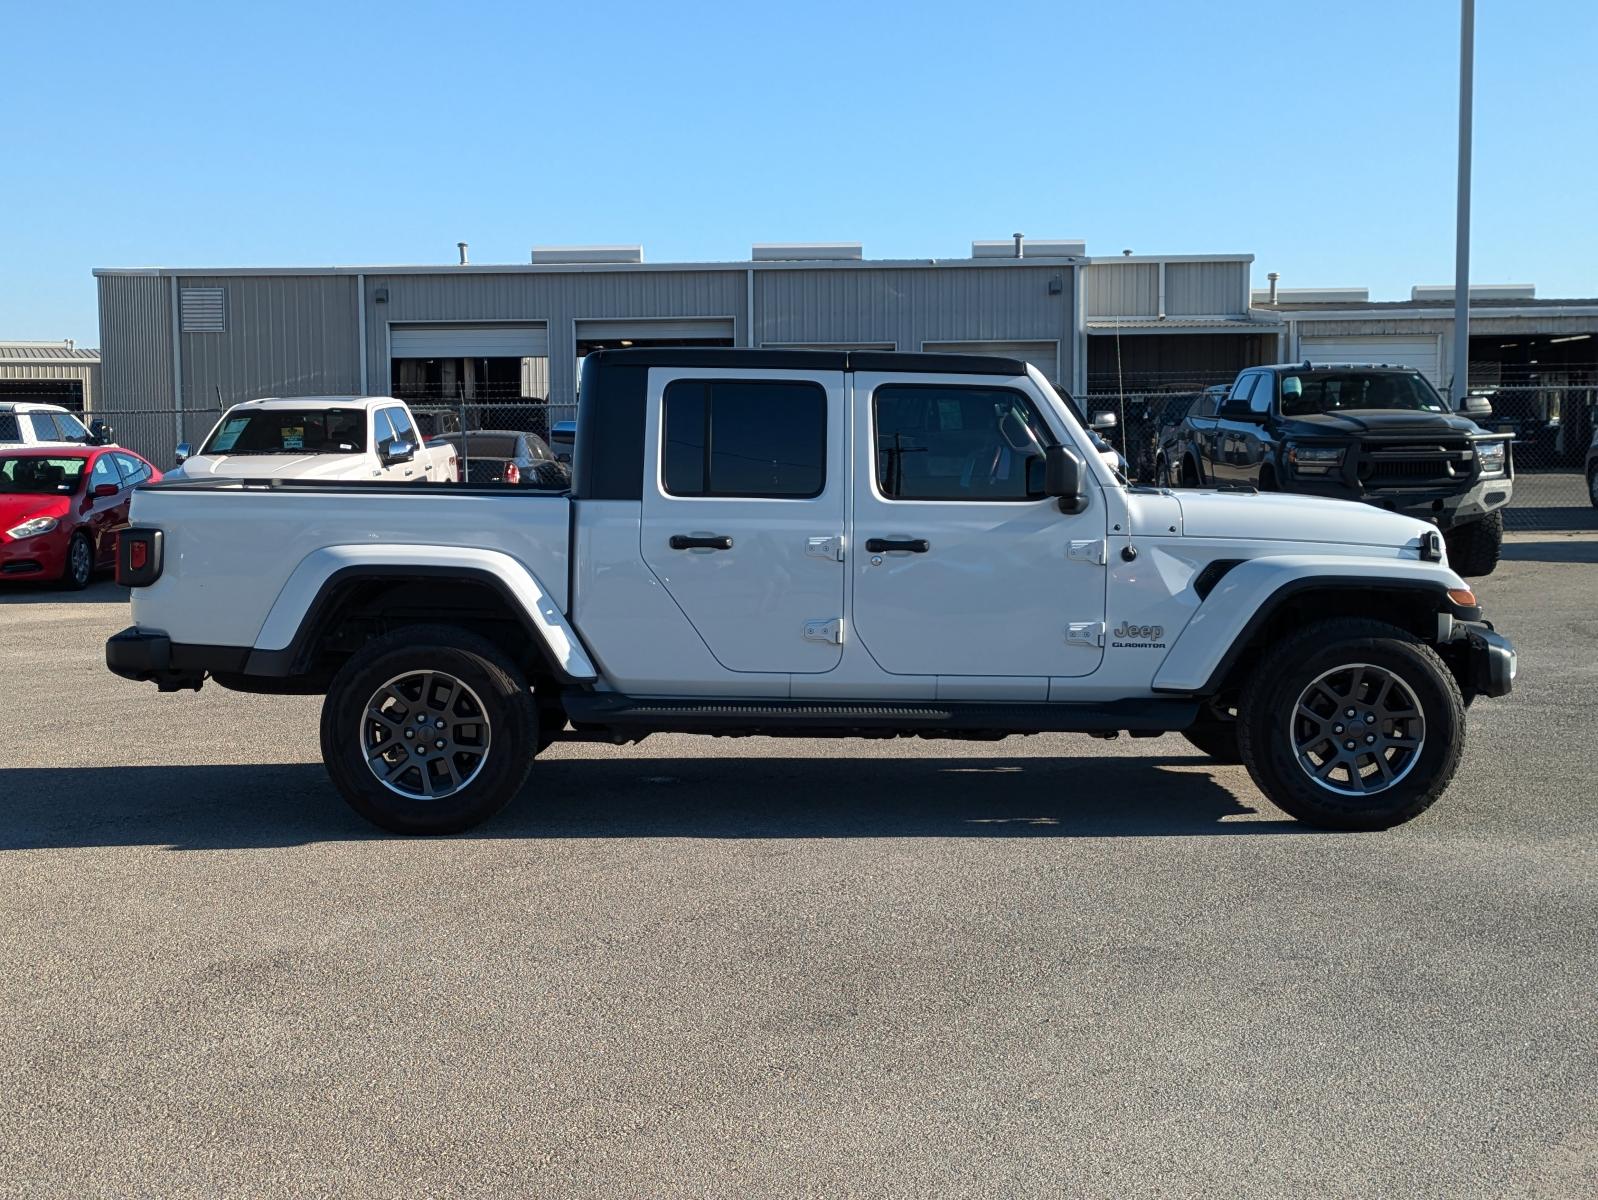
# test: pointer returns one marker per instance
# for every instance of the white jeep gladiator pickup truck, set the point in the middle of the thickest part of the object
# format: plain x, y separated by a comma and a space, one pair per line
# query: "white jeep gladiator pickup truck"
816, 543
318, 437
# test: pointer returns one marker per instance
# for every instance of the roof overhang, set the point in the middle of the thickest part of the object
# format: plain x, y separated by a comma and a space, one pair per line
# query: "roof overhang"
1141, 325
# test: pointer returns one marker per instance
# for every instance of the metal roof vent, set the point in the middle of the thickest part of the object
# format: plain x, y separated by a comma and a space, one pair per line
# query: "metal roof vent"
202, 309
1291, 296
1031, 248
550, 255
806, 251
1478, 291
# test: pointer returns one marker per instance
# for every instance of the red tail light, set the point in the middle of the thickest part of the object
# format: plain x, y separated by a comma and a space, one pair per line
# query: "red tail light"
513, 473
139, 555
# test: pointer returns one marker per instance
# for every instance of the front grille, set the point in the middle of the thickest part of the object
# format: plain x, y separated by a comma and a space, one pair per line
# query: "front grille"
24, 566
1415, 464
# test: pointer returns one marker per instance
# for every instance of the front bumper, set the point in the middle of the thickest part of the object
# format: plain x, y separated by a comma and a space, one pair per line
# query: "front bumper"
1490, 660
41, 557
1443, 507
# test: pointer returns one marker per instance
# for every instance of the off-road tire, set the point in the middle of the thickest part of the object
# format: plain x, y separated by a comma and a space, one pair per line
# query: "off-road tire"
1218, 739
1270, 697
1473, 548
507, 704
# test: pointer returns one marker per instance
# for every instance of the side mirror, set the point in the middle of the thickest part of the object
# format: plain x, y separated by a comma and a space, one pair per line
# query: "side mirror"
184, 451
1239, 410
1062, 478
1477, 406
396, 450
1105, 420
104, 490
99, 434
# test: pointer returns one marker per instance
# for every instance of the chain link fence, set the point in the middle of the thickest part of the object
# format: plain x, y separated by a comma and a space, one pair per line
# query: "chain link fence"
156, 433
1552, 428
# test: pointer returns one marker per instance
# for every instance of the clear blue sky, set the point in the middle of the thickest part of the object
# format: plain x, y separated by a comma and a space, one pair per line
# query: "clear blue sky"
1319, 137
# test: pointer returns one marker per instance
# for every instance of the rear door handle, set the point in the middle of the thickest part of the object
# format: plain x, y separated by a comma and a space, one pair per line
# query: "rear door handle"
883, 545
714, 541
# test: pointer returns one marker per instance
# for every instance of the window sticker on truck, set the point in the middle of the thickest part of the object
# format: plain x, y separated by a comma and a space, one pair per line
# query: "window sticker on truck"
293, 437
228, 434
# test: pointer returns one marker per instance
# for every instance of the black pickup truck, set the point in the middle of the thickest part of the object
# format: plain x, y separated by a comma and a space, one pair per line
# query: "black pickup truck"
1379, 434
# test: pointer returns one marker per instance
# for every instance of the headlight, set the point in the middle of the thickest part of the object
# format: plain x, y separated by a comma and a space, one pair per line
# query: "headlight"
1491, 456
1314, 460
32, 528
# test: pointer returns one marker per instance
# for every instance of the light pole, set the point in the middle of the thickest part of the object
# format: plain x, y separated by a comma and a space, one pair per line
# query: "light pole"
1467, 55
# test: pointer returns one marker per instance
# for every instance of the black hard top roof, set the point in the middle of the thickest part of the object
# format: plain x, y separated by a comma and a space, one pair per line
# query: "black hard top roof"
811, 360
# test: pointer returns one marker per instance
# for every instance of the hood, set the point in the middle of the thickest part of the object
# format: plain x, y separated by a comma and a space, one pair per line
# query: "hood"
17, 507
1355, 422
273, 466
1273, 516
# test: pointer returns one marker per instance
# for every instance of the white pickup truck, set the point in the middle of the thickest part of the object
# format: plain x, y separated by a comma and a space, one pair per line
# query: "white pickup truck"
817, 543
317, 437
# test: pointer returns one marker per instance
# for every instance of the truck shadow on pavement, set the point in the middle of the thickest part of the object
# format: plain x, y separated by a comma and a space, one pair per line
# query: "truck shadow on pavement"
259, 806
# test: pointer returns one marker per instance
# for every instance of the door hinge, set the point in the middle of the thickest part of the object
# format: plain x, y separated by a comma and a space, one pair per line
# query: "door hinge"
825, 547
1085, 633
830, 632
1091, 552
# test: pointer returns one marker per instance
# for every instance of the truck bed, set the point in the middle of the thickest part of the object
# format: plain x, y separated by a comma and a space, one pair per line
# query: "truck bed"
222, 538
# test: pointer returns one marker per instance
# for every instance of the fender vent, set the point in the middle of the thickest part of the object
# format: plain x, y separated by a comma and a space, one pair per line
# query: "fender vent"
1204, 582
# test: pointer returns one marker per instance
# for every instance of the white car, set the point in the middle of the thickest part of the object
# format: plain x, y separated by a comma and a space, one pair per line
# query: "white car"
317, 437
817, 544
25, 424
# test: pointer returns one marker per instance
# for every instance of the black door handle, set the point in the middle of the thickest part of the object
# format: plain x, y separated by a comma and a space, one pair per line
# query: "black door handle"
715, 541
883, 545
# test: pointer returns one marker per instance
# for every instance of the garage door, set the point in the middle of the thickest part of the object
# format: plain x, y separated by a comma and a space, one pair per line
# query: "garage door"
1417, 352
654, 331
1045, 356
494, 340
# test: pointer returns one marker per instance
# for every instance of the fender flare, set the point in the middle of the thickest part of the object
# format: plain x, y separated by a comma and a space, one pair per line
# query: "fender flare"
291, 625
1249, 594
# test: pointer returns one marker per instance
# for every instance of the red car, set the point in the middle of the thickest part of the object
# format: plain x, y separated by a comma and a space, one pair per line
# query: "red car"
61, 508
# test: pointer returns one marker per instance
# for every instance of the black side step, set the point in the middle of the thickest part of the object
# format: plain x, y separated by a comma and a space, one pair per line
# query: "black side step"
717, 715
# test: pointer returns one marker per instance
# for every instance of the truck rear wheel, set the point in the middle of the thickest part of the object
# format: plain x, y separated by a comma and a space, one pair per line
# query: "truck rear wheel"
1352, 724
428, 730
1473, 549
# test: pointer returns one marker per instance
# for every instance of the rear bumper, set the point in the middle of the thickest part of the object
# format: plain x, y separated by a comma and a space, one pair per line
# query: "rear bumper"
147, 656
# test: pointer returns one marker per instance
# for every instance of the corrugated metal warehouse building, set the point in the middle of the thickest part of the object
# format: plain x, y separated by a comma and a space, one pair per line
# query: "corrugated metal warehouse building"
197, 340
50, 373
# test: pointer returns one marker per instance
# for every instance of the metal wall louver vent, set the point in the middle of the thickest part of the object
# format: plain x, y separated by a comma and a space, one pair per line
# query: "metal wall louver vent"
203, 309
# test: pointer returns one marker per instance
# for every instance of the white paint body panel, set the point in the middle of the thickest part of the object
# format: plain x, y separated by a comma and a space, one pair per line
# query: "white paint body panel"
231, 550
985, 619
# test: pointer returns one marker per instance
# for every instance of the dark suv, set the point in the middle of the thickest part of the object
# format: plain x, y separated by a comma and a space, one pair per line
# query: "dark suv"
1379, 434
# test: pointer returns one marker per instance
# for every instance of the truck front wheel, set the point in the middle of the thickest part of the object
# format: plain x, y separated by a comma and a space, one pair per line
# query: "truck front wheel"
429, 729
1473, 549
1352, 724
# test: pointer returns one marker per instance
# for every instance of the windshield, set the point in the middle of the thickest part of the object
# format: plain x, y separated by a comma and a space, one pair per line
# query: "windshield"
290, 431
38, 476
1331, 391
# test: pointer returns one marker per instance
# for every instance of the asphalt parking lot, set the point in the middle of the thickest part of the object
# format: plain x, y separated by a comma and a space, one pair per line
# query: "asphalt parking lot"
1046, 966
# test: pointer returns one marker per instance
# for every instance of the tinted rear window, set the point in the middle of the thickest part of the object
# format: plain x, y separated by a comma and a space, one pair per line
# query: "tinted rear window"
735, 438
9, 431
